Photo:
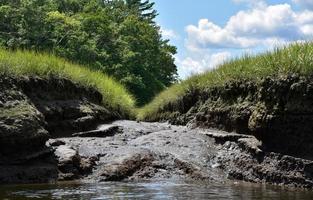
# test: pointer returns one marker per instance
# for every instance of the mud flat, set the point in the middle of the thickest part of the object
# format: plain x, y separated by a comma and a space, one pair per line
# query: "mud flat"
139, 151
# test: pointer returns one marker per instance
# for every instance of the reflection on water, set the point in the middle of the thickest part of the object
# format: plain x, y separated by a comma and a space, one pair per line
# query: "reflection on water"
156, 190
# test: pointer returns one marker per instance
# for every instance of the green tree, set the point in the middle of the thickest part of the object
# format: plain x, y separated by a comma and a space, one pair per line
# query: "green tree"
118, 37
142, 9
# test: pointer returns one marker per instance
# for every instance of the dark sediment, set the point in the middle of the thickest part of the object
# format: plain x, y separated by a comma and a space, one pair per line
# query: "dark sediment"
158, 151
32, 110
272, 144
278, 111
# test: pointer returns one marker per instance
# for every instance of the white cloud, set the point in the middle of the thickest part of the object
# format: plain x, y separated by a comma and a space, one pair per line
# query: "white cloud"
191, 65
265, 25
169, 34
308, 4
260, 27
208, 34
271, 21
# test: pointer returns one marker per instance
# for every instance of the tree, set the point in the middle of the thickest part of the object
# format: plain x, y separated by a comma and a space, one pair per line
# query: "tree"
118, 37
142, 9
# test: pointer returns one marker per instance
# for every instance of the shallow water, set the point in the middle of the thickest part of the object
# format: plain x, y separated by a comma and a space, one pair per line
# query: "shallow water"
146, 190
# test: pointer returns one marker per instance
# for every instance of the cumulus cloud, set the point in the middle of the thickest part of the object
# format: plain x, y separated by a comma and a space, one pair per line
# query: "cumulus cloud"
207, 34
191, 65
265, 25
305, 3
259, 27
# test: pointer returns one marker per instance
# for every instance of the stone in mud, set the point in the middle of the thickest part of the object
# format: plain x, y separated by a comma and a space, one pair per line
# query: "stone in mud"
127, 167
55, 143
68, 162
101, 131
87, 164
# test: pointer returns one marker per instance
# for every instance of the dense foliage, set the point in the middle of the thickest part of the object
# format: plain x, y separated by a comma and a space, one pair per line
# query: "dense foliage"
118, 37
292, 59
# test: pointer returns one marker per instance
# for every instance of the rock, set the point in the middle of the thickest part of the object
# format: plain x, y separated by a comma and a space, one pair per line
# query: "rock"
102, 131
68, 162
191, 170
71, 165
87, 164
251, 144
66, 155
55, 143
126, 168
222, 137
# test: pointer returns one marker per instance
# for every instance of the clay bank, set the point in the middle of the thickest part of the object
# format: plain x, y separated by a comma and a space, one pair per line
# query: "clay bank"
52, 130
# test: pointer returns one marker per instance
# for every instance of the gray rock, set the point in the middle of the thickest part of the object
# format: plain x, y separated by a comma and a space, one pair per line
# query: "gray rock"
102, 131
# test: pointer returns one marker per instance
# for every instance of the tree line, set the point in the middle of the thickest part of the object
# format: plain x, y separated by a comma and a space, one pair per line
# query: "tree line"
117, 37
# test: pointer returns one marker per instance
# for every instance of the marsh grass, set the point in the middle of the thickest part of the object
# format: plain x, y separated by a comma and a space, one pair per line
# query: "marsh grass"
25, 63
293, 59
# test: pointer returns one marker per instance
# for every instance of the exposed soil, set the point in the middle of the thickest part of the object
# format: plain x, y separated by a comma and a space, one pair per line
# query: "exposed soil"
272, 119
32, 110
278, 111
158, 151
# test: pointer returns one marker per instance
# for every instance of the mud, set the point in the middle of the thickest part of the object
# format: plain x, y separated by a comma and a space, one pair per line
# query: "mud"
276, 110
34, 109
158, 151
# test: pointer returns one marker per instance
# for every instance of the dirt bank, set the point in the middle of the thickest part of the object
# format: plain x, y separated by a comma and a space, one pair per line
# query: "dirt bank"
32, 110
278, 111
272, 118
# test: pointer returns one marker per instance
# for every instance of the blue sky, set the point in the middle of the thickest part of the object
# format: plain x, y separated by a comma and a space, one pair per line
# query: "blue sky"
207, 32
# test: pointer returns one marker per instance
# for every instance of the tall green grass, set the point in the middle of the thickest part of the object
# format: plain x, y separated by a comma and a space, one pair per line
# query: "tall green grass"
293, 59
25, 63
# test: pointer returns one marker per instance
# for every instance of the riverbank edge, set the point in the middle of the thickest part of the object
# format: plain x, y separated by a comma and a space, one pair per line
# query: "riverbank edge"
34, 109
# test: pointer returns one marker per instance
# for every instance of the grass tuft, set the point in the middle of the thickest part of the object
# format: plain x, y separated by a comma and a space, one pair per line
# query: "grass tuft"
292, 59
26, 63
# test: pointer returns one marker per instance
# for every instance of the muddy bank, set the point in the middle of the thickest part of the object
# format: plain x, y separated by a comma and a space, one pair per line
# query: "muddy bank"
159, 151
35, 110
278, 111
32, 110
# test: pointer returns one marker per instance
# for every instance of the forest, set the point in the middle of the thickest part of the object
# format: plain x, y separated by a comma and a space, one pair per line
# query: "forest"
119, 38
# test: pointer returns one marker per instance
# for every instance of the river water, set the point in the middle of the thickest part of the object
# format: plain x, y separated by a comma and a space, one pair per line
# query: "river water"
150, 190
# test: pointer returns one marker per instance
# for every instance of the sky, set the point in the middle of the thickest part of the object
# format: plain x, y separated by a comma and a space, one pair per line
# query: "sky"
209, 32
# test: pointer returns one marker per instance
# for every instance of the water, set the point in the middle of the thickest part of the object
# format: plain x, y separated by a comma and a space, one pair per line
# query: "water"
146, 190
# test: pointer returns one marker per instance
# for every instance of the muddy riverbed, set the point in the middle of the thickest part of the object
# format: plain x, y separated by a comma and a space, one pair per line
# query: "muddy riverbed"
140, 160
140, 151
